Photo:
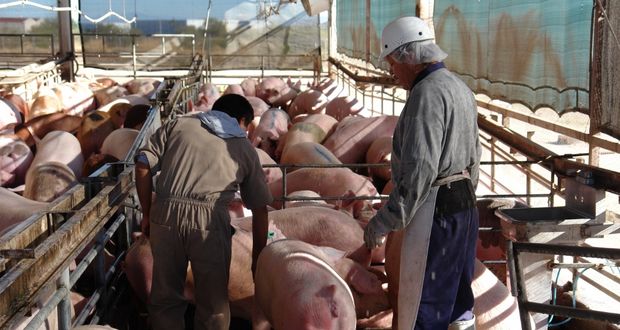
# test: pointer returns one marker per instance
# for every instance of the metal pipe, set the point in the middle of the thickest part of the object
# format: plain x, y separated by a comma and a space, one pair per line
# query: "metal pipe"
571, 312
64, 306
96, 250
46, 310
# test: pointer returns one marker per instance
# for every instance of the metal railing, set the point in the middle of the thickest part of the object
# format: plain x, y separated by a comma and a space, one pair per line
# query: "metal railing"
519, 289
138, 52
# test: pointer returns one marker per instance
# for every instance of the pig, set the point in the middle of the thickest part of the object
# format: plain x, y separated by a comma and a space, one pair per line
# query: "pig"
95, 127
95, 161
259, 106
271, 173
51, 322
15, 159
9, 116
240, 282
273, 124
317, 225
55, 168
297, 287
354, 135
36, 128
19, 103
324, 224
298, 133
207, 96
45, 104
495, 308
328, 182
135, 99
75, 98
306, 194
380, 152
327, 123
296, 86
106, 82
275, 92
15, 209
329, 87
249, 86
143, 86
108, 94
234, 89
117, 110
343, 106
304, 153
308, 102
118, 143
138, 266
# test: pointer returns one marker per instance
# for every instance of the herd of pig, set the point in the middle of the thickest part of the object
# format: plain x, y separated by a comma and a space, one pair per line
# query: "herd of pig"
315, 273
63, 134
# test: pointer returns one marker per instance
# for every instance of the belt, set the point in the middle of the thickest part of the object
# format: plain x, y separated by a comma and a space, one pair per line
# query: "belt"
207, 200
464, 174
455, 196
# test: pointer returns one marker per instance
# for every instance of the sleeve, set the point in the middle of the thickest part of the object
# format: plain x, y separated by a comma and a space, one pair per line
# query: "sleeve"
151, 153
421, 139
254, 190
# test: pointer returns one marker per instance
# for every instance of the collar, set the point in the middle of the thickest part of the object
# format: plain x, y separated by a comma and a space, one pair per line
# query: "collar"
428, 70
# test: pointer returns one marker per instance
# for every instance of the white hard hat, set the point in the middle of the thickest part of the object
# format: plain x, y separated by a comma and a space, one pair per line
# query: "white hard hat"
403, 31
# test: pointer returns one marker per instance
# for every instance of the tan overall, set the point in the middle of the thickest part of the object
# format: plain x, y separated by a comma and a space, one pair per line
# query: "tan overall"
200, 173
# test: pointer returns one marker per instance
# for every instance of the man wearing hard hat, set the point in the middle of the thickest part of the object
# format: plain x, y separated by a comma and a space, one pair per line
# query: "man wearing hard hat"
435, 160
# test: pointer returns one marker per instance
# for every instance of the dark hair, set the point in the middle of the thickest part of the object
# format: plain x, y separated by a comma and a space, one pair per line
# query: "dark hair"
136, 116
236, 106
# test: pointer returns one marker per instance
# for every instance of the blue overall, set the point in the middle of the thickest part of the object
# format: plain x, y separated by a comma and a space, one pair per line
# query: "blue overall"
447, 294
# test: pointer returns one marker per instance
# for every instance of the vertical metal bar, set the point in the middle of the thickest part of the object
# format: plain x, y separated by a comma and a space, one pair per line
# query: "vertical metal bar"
368, 32
551, 201
520, 289
511, 268
493, 152
528, 183
21, 43
64, 306
284, 170
382, 97
66, 41
133, 54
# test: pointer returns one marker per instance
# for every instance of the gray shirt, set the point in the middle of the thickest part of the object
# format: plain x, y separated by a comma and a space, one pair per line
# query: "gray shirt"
436, 136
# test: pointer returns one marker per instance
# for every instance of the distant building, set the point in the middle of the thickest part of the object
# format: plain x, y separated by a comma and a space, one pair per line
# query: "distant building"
17, 24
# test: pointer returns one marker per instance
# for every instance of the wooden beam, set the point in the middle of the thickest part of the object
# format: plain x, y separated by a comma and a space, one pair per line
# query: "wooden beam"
22, 283
603, 179
564, 130
387, 81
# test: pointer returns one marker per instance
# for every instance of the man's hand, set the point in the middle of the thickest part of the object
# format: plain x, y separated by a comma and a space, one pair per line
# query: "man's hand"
374, 234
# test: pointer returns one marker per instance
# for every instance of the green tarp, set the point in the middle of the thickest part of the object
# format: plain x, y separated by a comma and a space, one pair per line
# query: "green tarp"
530, 51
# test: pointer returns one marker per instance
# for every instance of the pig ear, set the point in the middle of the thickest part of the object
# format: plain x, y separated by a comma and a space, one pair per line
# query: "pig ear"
363, 281
345, 203
361, 255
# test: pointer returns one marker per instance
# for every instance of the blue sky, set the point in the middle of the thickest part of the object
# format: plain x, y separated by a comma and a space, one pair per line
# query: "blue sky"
151, 9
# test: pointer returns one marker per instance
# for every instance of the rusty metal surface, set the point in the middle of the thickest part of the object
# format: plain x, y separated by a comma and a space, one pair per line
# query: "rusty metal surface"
605, 71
